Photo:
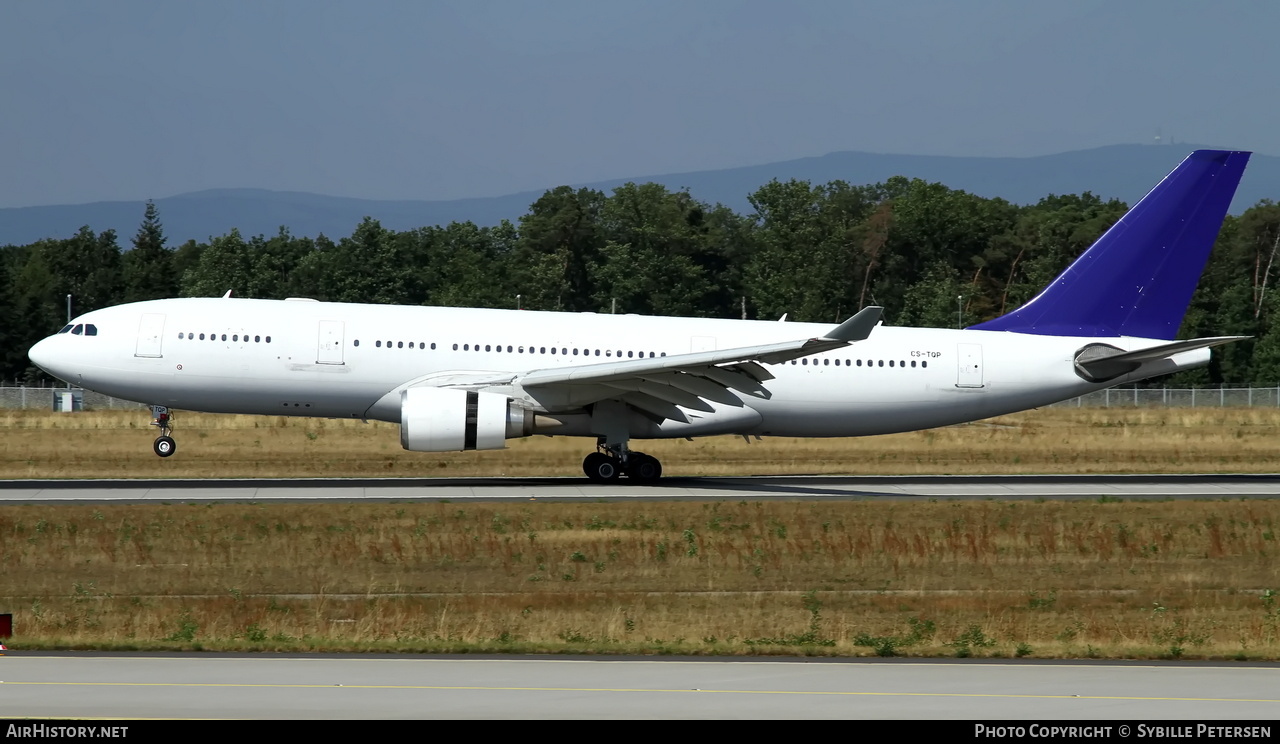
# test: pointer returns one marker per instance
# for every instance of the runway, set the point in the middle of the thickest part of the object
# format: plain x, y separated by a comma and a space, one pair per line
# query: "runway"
842, 488
104, 685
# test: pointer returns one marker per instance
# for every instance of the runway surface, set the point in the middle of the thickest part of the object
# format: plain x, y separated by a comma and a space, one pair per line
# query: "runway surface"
93, 685
849, 488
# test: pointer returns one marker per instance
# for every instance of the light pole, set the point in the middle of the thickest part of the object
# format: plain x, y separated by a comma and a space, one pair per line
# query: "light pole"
959, 312
68, 308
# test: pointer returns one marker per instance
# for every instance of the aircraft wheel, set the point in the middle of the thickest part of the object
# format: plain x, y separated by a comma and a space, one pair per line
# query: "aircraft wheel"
165, 446
600, 468
644, 468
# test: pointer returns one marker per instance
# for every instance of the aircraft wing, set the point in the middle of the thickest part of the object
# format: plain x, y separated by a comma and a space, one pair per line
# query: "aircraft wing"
657, 385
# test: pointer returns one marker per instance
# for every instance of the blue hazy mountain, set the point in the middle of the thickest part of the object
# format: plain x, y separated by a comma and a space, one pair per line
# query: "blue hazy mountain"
1122, 171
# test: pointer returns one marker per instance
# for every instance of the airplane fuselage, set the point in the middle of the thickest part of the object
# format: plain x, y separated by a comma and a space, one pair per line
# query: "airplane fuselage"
307, 358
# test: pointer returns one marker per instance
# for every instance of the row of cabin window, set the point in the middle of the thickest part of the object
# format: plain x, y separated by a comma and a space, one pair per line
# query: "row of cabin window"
856, 362
400, 344
521, 349
234, 337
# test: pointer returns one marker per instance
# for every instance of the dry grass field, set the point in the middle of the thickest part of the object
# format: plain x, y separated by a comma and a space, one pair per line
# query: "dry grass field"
1104, 578
1101, 578
117, 444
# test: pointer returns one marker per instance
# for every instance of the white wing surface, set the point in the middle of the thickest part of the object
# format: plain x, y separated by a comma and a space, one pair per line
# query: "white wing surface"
657, 385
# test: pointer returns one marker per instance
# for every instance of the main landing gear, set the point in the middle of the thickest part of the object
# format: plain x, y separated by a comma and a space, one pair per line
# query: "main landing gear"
162, 417
610, 462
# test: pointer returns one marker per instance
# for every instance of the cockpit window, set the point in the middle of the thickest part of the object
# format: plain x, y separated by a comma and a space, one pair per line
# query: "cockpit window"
90, 329
79, 329
65, 328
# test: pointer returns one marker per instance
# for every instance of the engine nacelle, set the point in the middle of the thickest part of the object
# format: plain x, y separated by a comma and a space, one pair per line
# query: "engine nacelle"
436, 419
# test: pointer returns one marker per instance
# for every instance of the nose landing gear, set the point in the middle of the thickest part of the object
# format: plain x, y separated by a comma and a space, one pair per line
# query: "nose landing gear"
162, 418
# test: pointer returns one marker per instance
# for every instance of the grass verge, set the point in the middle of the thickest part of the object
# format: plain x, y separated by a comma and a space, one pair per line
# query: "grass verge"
1106, 578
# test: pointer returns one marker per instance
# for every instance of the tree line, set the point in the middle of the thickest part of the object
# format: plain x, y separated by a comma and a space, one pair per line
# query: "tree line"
931, 255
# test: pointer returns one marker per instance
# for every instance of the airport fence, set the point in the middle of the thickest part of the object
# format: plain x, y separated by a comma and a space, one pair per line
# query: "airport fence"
54, 398
1205, 397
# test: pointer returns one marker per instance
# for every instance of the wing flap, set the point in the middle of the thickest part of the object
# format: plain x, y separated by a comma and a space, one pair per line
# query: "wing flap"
667, 393
698, 386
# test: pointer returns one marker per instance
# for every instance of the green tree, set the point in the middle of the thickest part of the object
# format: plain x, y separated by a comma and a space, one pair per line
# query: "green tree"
148, 268
560, 244
660, 254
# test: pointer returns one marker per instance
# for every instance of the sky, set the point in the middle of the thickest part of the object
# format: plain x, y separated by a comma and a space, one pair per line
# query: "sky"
423, 99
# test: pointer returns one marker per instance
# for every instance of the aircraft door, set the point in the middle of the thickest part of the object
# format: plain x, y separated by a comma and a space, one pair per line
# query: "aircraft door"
969, 372
329, 345
150, 335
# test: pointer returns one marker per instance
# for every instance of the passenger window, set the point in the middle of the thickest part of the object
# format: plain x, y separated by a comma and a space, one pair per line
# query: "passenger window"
179, 336
826, 362
881, 363
890, 362
924, 364
486, 347
913, 363
355, 343
433, 345
455, 347
399, 344
597, 352
202, 337
508, 349
378, 344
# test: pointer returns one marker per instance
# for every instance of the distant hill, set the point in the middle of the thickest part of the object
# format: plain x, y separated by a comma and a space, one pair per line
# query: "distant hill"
1123, 171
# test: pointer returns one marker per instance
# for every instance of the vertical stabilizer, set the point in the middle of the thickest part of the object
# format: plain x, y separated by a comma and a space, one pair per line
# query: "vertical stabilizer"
1138, 278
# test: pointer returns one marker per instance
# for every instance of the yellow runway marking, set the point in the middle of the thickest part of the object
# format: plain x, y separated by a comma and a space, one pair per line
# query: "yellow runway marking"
655, 690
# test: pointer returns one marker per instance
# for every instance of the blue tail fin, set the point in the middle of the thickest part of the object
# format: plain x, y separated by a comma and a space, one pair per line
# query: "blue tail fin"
1138, 278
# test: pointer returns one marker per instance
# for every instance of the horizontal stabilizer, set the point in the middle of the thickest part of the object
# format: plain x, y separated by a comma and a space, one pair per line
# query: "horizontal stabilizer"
1100, 362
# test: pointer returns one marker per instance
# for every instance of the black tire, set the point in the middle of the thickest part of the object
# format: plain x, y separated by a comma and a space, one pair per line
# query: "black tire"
165, 446
643, 468
600, 468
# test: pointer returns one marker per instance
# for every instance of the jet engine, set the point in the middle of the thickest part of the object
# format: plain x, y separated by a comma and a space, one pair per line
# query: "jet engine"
436, 419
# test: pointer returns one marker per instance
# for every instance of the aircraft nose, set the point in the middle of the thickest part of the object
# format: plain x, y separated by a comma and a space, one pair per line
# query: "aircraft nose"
45, 356
41, 354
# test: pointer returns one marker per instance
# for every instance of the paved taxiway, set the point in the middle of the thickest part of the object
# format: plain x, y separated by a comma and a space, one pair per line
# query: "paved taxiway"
89, 685
752, 488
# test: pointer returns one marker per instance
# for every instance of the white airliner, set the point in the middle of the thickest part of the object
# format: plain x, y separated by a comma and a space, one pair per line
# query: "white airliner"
467, 379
